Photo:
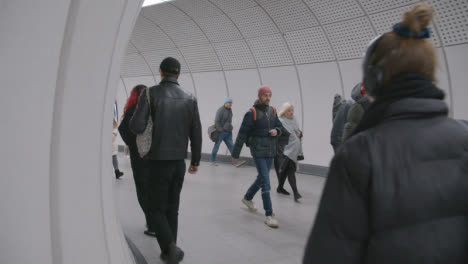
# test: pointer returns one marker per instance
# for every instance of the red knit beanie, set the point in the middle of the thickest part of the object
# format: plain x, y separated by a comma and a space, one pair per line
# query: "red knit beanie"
263, 90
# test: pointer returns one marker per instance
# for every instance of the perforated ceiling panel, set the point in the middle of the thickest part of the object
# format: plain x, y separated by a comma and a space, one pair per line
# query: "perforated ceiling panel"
219, 29
453, 22
186, 34
164, 14
374, 6
155, 57
235, 55
333, 11
201, 58
198, 9
230, 6
253, 22
350, 38
134, 65
130, 49
147, 36
309, 45
270, 51
289, 15
384, 21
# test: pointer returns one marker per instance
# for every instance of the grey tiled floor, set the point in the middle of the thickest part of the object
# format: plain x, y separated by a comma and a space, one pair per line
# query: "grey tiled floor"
215, 227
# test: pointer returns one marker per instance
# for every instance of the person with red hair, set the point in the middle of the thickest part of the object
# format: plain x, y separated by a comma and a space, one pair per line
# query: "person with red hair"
139, 165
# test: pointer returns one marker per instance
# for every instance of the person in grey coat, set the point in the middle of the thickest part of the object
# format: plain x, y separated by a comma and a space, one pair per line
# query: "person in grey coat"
288, 161
223, 125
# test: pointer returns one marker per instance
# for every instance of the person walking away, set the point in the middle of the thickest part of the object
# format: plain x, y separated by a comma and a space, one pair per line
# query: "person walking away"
396, 189
139, 166
259, 130
176, 119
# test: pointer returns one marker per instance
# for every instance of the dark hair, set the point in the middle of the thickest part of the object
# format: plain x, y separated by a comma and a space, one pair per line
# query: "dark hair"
170, 67
397, 54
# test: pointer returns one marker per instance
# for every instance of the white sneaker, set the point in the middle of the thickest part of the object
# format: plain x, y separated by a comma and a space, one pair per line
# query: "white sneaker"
249, 204
240, 163
271, 222
214, 164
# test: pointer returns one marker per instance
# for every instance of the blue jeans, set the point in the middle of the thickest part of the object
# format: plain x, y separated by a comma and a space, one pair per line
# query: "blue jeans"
262, 182
227, 138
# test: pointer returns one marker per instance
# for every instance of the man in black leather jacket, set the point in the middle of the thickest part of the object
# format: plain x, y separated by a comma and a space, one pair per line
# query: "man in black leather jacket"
175, 119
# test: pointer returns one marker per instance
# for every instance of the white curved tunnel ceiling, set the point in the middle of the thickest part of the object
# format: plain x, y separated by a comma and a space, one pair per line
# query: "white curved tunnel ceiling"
216, 35
309, 41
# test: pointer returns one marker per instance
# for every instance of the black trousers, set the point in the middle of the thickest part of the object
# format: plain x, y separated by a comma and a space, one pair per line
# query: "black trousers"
286, 169
165, 185
141, 176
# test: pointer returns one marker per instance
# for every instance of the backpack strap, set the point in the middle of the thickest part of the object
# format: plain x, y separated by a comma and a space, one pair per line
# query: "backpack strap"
274, 111
254, 113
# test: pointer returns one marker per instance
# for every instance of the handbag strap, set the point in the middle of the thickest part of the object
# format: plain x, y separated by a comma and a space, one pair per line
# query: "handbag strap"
149, 101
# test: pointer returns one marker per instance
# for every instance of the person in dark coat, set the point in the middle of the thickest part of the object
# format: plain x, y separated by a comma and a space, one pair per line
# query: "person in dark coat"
259, 130
340, 116
139, 165
356, 111
176, 121
397, 189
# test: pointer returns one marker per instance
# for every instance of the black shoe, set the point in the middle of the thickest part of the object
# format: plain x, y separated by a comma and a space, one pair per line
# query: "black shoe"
150, 233
175, 254
297, 196
282, 191
118, 174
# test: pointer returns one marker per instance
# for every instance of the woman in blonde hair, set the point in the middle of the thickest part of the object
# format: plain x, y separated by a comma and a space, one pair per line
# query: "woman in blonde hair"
287, 158
396, 190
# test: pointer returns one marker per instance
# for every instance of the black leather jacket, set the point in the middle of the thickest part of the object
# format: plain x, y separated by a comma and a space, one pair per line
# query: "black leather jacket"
175, 120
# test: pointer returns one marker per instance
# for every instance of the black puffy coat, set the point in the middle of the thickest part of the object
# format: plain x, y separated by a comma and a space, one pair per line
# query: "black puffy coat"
397, 192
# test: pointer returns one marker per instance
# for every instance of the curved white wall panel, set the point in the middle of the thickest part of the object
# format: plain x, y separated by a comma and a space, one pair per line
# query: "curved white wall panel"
285, 87
322, 84
458, 58
211, 91
351, 71
243, 88
61, 63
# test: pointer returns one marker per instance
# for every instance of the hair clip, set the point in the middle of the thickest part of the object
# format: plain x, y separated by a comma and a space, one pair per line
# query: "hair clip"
404, 31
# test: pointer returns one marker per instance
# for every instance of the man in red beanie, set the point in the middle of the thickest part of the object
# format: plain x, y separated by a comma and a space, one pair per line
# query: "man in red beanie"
259, 130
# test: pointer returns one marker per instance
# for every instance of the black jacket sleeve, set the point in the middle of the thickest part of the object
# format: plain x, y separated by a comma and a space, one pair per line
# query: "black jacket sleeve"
341, 228
244, 130
140, 117
124, 129
196, 137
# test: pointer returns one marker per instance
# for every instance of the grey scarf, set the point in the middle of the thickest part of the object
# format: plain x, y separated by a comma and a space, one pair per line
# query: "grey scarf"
294, 147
